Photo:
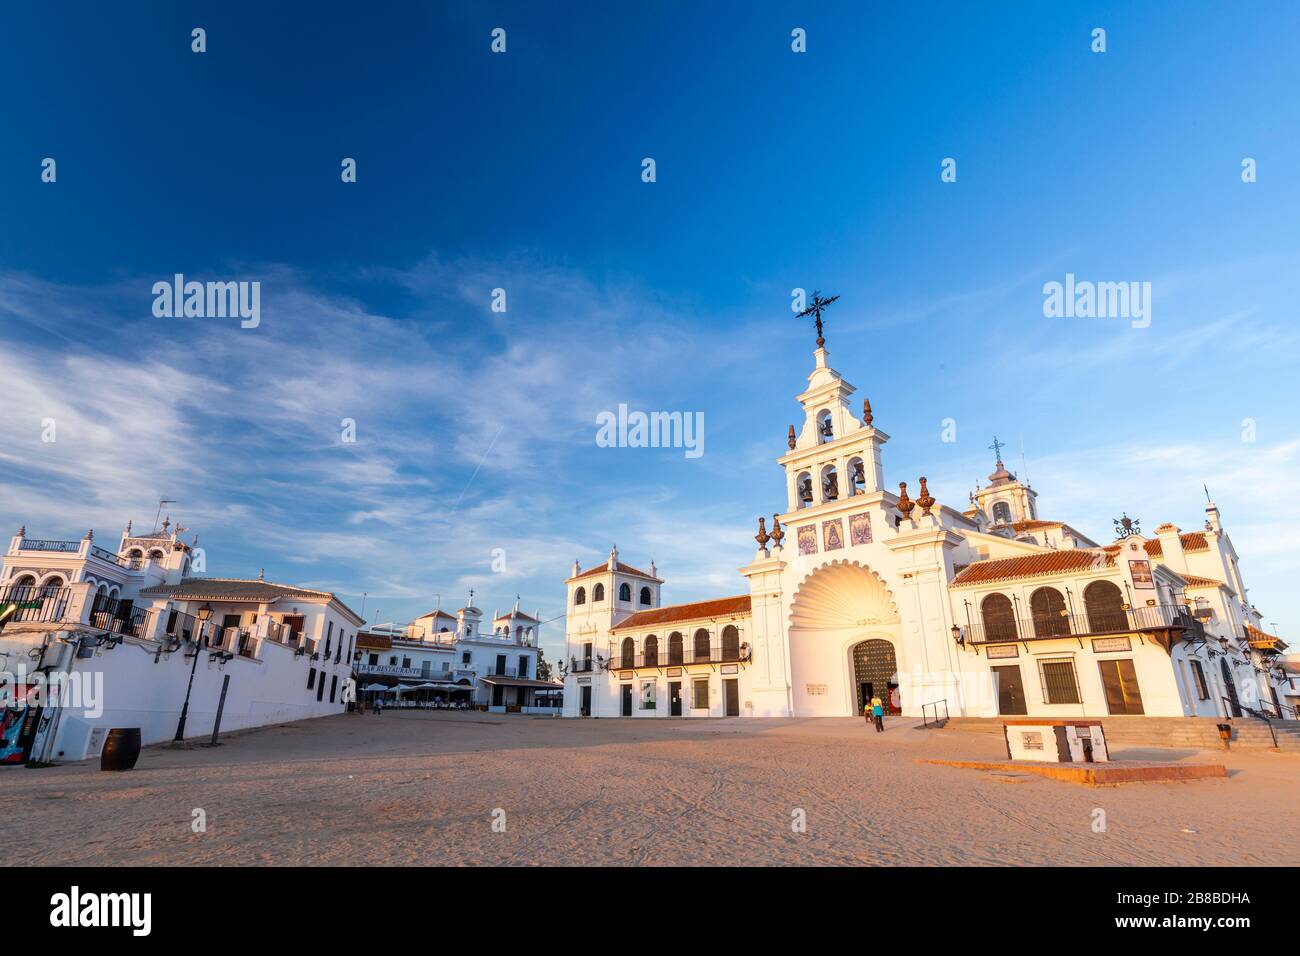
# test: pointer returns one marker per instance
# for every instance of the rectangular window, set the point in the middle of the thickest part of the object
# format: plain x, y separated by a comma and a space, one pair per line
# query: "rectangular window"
701, 687
374, 660
406, 663
1060, 686
523, 665
311, 678
1202, 688
501, 664
464, 658
334, 686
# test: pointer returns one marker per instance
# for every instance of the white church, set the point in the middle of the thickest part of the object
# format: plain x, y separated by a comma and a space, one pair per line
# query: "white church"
859, 591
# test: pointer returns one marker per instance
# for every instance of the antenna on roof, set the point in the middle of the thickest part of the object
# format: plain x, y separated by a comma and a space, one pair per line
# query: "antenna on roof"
161, 502
1024, 468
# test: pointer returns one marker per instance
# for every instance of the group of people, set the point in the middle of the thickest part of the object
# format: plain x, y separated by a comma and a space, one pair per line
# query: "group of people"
875, 709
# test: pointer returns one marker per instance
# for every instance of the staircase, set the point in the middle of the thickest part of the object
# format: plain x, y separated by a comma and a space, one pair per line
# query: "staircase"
1190, 733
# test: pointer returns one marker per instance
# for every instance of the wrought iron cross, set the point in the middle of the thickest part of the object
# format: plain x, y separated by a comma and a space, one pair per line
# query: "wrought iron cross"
815, 310
997, 447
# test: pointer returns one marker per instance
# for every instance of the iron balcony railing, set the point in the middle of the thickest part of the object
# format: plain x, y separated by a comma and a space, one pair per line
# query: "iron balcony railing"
119, 616
27, 603
1093, 624
674, 655
581, 665
180, 625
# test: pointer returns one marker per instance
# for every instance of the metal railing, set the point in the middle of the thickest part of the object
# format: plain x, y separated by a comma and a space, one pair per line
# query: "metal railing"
934, 707
581, 665
1236, 708
180, 625
27, 603
1095, 624
679, 655
119, 616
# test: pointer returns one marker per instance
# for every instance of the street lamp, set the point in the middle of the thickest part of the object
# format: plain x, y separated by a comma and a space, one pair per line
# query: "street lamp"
202, 615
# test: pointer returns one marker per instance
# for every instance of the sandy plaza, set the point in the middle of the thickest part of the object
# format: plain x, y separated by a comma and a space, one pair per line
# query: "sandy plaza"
422, 788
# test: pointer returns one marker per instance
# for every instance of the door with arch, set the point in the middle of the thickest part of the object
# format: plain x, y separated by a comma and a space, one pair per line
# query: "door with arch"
1230, 685
875, 670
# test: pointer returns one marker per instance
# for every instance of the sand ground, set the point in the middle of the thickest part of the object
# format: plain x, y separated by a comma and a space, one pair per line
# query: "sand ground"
422, 788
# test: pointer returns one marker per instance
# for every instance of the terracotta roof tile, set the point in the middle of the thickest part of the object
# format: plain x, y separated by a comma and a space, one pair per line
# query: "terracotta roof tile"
1196, 581
1032, 565
230, 589
1034, 525
1194, 541
718, 607
622, 569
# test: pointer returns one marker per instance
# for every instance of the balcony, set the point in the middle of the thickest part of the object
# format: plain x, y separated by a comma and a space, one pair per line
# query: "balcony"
28, 604
1162, 617
119, 616
681, 656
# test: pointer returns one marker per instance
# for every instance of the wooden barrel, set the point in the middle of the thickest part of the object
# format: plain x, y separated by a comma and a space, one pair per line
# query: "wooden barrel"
121, 749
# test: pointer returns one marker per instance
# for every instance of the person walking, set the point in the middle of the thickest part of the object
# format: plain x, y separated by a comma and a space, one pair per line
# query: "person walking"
878, 712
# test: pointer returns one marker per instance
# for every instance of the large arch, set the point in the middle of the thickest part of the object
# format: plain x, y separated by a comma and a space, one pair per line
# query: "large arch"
836, 608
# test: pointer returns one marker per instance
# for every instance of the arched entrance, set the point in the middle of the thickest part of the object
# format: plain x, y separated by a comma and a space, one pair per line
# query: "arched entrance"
875, 670
842, 619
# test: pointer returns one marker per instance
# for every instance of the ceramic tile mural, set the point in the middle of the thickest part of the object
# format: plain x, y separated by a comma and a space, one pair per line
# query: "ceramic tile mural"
860, 528
832, 535
808, 539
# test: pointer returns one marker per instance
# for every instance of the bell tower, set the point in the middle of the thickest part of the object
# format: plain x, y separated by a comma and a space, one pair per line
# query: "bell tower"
834, 455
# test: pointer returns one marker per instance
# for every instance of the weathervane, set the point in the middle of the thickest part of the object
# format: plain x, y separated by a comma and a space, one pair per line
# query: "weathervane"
815, 310
1126, 526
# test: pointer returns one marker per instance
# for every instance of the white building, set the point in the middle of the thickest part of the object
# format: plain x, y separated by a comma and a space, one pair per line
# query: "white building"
121, 630
453, 657
982, 611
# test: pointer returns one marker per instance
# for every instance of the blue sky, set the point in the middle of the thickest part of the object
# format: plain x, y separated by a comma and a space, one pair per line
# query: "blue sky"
522, 171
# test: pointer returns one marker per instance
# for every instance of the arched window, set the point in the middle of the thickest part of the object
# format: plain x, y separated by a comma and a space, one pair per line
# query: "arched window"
625, 592
701, 645
825, 428
155, 555
1048, 609
999, 618
628, 657
830, 484
135, 554
730, 643
1002, 513
51, 586
24, 581
857, 477
598, 593
579, 597
646, 597
1104, 603
675, 647
651, 651
804, 489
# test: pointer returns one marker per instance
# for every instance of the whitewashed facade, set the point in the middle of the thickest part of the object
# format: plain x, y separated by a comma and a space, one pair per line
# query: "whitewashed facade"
454, 657
120, 626
859, 591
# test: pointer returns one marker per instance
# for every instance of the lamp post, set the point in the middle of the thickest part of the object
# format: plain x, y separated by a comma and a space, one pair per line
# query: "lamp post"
202, 614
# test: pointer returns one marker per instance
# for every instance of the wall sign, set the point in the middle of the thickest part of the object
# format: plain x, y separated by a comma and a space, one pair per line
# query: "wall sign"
730, 669
1103, 644
1001, 651
815, 690
674, 672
